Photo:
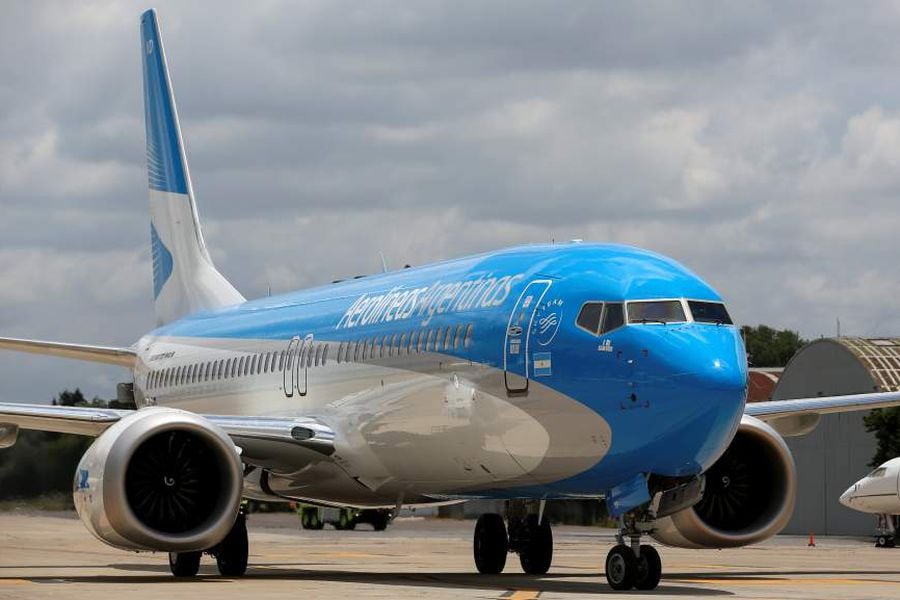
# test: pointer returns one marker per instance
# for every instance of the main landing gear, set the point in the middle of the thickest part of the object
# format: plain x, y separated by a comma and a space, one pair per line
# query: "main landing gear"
230, 554
529, 535
632, 565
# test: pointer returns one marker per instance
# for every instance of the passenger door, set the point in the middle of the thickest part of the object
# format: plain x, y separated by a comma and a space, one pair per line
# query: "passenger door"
301, 374
516, 350
287, 370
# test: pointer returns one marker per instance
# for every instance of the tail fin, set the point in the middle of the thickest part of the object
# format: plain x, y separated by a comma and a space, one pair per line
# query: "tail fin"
184, 278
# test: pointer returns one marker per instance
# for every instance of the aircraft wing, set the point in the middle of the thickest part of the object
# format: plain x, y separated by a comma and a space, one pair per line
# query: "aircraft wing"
262, 439
124, 357
800, 416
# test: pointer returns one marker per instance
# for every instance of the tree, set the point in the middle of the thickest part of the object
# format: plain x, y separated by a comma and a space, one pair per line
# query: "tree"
768, 347
42, 462
885, 423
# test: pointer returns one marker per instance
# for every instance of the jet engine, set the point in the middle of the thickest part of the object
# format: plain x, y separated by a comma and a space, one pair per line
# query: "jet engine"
748, 497
160, 479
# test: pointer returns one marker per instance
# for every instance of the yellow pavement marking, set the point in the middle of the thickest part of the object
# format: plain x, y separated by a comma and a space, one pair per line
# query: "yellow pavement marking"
14, 581
523, 595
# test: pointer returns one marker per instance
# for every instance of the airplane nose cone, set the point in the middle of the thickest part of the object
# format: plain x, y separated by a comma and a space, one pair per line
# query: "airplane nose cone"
718, 361
847, 497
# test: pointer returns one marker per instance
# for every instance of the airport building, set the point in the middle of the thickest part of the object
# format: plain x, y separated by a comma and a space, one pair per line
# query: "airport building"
837, 453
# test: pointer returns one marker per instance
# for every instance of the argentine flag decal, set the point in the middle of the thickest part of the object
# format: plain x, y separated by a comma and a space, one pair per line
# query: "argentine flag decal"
542, 364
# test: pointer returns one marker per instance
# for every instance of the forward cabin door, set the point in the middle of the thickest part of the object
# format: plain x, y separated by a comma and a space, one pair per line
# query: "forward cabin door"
517, 360
287, 369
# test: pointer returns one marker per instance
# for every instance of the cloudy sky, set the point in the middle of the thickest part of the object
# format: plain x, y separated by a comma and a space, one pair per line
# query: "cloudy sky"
756, 142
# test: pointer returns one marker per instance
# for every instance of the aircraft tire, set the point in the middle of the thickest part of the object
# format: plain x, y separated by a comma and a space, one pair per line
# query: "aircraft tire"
537, 554
184, 564
649, 569
490, 544
621, 567
231, 554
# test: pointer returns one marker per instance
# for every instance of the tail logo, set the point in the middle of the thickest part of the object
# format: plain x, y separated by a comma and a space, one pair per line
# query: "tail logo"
162, 262
149, 47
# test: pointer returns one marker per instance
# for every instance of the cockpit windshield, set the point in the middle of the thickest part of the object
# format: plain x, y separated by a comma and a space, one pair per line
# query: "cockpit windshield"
709, 312
879, 472
656, 311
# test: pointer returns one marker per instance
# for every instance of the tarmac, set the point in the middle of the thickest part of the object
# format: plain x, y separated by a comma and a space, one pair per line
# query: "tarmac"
44, 555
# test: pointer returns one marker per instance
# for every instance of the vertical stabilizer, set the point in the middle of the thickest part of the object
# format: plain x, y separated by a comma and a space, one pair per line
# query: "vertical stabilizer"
184, 278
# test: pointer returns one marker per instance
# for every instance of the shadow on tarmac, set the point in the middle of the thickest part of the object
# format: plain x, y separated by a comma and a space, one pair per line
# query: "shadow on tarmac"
556, 583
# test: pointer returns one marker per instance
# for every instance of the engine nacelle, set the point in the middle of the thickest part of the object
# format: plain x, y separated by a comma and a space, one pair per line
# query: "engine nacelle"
749, 494
160, 479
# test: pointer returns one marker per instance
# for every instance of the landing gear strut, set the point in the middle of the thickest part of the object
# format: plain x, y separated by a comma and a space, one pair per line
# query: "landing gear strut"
632, 565
529, 536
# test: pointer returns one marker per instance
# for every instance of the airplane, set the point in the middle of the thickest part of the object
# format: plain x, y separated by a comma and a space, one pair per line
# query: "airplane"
529, 374
878, 493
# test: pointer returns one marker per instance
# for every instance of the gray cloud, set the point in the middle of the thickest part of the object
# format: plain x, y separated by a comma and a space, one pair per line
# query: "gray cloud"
758, 143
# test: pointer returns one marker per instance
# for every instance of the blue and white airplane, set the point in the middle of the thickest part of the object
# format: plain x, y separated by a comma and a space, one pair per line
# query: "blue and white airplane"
534, 373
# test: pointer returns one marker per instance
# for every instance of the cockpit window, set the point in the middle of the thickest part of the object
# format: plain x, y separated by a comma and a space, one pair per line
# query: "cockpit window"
709, 312
879, 472
613, 317
656, 311
601, 317
589, 317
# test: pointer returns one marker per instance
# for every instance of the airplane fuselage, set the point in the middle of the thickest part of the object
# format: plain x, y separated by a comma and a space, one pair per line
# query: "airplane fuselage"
473, 378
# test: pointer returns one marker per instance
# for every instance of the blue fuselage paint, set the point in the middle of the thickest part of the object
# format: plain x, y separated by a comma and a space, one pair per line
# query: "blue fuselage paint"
672, 394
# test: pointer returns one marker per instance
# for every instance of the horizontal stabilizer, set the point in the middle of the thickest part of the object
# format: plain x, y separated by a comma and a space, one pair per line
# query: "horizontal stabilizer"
124, 357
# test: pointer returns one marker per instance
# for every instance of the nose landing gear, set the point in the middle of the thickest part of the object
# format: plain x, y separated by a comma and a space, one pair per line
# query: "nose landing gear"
632, 565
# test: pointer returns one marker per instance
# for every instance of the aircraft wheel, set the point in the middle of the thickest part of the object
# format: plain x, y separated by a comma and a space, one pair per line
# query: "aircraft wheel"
649, 569
184, 564
490, 544
621, 567
231, 553
537, 553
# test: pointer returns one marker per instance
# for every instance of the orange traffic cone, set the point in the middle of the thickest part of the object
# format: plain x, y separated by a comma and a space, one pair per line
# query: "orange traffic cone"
812, 540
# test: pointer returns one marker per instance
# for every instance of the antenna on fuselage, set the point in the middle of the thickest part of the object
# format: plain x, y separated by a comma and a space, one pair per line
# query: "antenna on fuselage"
384, 267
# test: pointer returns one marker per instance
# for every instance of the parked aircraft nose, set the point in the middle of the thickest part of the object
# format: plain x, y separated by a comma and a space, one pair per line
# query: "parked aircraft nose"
847, 497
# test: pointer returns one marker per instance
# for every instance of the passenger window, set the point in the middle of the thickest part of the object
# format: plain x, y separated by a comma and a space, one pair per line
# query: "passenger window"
372, 348
709, 312
266, 359
340, 352
448, 337
589, 317
281, 361
429, 343
468, 340
310, 354
438, 339
240, 370
656, 311
318, 355
457, 339
251, 365
402, 347
419, 340
385, 346
324, 354
613, 317
233, 367
364, 351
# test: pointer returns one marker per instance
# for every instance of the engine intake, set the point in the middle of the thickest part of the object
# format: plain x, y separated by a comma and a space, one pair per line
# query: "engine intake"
160, 479
749, 494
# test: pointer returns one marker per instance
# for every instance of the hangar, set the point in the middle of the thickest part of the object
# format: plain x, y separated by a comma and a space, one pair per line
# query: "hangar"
838, 451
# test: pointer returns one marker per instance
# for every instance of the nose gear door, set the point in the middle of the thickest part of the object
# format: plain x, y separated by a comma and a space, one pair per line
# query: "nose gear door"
516, 352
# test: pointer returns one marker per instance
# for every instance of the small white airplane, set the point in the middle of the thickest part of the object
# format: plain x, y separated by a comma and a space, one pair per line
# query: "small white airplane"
878, 493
